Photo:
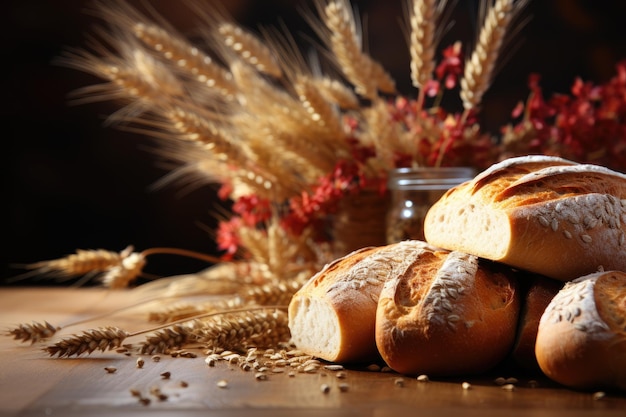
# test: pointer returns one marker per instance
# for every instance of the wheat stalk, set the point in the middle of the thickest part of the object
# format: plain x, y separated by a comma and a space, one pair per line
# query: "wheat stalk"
164, 336
199, 66
336, 92
249, 48
81, 262
33, 332
121, 275
104, 338
167, 339
383, 134
325, 117
275, 293
479, 68
344, 40
423, 20
235, 331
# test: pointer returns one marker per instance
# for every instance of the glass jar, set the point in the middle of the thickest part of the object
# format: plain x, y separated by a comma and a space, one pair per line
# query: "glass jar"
413, 191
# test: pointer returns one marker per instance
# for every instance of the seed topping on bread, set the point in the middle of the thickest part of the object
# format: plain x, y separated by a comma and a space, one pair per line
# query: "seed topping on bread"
453, 278
377, 267
575, 303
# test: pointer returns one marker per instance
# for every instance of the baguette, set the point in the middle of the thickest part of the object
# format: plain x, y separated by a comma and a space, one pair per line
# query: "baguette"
333, 315
581, 340
543, 214
447, 315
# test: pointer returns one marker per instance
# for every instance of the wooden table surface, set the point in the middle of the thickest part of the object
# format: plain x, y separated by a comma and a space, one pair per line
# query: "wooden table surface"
33, 384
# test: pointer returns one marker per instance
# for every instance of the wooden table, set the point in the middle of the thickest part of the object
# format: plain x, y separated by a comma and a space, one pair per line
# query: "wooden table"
33, 384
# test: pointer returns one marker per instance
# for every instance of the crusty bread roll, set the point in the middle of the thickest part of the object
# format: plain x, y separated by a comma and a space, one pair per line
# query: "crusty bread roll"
333, 315
538, 293
581, 341
542, 214
447, 315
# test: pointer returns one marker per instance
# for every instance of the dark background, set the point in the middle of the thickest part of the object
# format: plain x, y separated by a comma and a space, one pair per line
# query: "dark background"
69, 182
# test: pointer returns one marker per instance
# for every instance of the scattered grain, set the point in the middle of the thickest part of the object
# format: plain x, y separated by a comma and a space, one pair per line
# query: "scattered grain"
156, 358
399, 382
166, 375
183, 384
222, 383
500, 381
325, 388
140, 362
260, 376
343, 387
599, 395
341, 375
466, 386
508, 387
373, 368
110, 369
423, 378
333, 367
310, 369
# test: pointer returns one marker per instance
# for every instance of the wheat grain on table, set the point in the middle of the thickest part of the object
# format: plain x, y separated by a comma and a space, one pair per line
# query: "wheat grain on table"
111, 383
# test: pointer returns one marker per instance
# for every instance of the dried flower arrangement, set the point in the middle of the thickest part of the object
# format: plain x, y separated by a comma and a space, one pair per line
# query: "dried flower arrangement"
288, 142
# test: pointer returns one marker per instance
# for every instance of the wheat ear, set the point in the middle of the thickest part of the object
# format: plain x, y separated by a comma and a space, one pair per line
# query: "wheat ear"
187, 58
164, 340
336, 92
33, 332
423, 20
105, 338
480, 66
81, 262
249, 48
235, 331
345, 42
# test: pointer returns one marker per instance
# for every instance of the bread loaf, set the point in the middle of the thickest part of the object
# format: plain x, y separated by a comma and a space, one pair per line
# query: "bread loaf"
448, 314
538, 294
542, 214
581, 341
333, 315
